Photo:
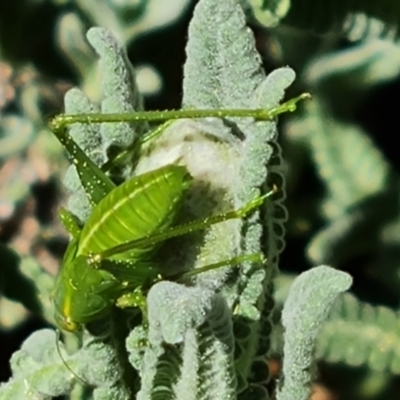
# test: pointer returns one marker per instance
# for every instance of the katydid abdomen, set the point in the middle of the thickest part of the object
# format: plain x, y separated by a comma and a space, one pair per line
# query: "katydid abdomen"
135, 209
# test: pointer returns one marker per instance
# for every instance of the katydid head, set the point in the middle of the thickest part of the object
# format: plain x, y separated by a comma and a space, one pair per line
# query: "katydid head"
61, 295
80, 293
64, 309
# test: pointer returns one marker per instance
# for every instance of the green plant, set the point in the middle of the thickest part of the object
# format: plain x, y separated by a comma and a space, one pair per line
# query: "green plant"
210, 336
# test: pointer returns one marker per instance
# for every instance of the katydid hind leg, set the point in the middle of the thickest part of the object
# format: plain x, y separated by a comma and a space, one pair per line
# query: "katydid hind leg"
60, 122
87, 170
257, 258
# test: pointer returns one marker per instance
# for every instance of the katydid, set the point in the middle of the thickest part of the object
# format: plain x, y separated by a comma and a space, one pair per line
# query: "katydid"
111, 258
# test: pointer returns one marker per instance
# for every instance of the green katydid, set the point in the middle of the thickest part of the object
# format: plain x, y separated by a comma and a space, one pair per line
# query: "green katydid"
108, 261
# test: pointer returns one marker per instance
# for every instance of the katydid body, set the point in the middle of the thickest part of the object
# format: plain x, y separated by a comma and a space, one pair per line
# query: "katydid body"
112, 255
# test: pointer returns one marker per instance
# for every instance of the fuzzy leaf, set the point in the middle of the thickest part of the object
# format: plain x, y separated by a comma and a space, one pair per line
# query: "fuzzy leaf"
223, 70
358, 182
71, 40
201, 367
217, 37
310, 299
37, 374
120, 93
360, 334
